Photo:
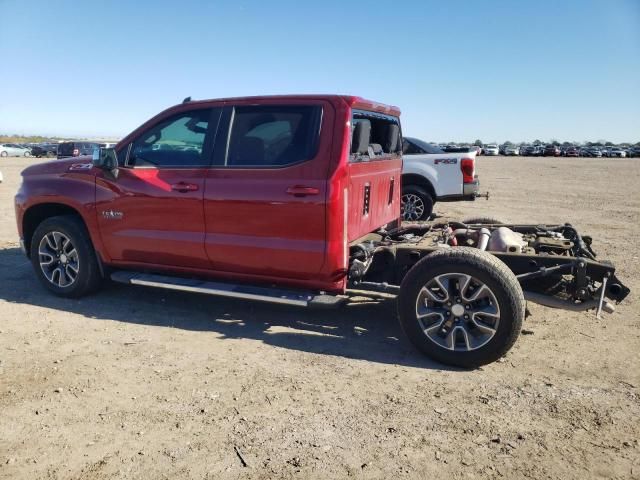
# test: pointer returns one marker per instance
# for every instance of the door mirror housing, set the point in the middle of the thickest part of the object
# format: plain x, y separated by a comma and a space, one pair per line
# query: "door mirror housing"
106, 159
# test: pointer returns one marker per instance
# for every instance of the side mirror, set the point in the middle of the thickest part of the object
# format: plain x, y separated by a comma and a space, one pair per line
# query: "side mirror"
106, 159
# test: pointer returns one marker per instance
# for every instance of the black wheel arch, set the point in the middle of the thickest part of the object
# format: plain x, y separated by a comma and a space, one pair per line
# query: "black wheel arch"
420, 181
39, 212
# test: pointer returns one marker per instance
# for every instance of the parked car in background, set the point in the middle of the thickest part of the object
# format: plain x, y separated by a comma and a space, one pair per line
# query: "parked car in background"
44, 150
430, 174
633, 152
592, 152
616, 152
551, 151
537, 151
13, 150
571, 152
491, 149
512, 150
527, 150
75, 149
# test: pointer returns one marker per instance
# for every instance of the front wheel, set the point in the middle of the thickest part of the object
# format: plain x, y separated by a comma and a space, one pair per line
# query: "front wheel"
63, 257
416, 204
461, 307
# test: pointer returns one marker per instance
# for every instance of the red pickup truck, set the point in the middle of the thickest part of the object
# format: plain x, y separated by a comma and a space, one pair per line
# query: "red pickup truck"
295, 200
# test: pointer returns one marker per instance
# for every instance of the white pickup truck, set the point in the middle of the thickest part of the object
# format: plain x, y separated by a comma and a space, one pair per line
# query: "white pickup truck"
431, 175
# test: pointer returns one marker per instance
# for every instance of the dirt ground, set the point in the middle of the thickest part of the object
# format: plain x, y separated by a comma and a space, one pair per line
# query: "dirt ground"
142, 383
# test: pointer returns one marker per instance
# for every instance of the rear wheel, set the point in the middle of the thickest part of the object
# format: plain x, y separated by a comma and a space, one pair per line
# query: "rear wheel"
461, 307
416, 203
63, 257
3, 154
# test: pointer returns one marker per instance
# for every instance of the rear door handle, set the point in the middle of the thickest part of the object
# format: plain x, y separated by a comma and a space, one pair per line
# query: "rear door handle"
184, 187
302, 191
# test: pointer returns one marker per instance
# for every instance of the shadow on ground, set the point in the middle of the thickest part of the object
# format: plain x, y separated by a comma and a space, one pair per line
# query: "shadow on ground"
366, 328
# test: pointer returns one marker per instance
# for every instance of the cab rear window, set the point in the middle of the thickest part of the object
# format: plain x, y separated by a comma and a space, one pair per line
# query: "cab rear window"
374, 136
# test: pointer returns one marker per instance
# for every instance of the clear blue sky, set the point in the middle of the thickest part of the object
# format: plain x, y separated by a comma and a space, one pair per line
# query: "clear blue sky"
459, 70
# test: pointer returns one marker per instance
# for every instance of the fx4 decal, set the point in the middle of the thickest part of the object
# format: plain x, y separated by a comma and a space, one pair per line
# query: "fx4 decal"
445, 161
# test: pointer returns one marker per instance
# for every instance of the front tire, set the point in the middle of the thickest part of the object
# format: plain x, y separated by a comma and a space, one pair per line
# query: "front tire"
416, 204
64, 258
461, 307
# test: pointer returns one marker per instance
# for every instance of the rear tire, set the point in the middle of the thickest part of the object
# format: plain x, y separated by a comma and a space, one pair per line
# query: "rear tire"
416, 204
486, 299
64, 258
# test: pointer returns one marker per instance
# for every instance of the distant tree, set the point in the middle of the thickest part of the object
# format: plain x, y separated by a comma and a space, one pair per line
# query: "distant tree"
478, 143
508, 143
566, 144
537, 142
608, 144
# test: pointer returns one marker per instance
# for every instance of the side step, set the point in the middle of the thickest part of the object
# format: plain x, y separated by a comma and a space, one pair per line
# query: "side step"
260, 294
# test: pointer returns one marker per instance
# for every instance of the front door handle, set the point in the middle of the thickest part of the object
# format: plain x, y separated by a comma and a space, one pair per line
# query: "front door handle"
302, 191
184, 187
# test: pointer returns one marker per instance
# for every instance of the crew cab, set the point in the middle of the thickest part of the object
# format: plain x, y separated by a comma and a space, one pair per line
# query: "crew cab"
295, 200
430, 174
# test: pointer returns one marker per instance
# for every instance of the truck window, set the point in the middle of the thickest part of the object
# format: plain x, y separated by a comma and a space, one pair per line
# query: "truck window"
273, 136
413, 146
175, 142
382, 136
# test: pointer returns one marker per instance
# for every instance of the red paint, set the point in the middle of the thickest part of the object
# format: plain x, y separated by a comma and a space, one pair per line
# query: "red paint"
283, 225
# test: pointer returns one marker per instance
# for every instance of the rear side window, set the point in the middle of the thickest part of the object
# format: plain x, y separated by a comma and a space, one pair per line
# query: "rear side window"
175, 142
374, 136
273, 136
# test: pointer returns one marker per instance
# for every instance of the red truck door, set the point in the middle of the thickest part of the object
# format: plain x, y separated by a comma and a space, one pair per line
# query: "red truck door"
152, 212
265, 196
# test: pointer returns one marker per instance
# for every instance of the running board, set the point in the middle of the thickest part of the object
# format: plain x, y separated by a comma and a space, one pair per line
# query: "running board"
260, 294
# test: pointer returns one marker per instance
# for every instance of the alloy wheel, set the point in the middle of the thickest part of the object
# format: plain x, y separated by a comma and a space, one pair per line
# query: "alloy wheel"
457, 312
58, 259
412, 206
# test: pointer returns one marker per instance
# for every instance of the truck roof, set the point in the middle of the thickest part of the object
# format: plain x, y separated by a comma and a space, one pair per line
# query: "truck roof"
351, 100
